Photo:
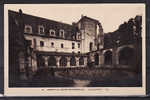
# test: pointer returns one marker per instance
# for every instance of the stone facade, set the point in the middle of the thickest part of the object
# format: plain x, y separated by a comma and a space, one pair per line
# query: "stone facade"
52, 44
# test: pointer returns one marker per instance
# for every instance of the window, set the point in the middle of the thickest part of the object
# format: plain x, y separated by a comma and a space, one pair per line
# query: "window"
91, 46
28, 29
62, 45
78, 36
73, 45
61, 33
52, 32
78, 45
41, 43
41, 29
52, 44
34, 43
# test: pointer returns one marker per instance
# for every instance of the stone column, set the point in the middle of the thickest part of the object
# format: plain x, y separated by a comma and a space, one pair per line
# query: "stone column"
101, 59
68, 61
22, 66
77, 61
85, 61
57, 61
46, 61
34, 62
115, 60
92, 57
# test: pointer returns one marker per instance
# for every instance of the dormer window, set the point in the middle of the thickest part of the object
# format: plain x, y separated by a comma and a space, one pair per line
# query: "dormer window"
61, 33
28, 29
52, 32
41, 29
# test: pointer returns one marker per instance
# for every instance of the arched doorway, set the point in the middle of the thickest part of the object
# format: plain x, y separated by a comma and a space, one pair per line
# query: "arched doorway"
51, 61
127, 56
73, 61
63, 61
108, 57
81, 61
96, 57
40, 61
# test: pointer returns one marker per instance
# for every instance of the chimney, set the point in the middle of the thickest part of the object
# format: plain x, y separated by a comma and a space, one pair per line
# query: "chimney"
20, 11
82, 15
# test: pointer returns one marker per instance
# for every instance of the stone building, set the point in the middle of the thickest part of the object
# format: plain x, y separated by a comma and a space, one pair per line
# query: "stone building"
56, 44
52, 44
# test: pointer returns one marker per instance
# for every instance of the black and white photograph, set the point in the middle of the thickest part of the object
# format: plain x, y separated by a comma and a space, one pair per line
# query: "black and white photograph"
75, 46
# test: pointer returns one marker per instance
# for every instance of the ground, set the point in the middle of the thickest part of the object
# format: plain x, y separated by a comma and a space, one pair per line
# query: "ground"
82, 77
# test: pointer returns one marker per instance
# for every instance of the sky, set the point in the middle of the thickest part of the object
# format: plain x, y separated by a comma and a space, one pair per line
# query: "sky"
109, 15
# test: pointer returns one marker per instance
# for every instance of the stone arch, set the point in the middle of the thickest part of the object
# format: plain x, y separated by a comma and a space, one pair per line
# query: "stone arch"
40, 61
52, 61
108, 57
63, 61
127, 56
81, 60
73, 61
96, 58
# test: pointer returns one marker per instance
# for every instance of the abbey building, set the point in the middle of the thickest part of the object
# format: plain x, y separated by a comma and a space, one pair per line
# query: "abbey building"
36, 43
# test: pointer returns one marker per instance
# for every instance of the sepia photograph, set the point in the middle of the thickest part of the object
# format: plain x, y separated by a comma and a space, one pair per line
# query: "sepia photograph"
75, 46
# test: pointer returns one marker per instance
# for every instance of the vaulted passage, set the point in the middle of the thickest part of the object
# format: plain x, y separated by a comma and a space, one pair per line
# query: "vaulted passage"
40, 61
81, 61
73, 61
108, 57
96, 56
63, 61
127, 56
51, 61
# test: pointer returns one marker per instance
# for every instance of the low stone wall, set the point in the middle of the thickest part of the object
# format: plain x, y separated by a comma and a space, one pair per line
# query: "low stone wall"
92, 73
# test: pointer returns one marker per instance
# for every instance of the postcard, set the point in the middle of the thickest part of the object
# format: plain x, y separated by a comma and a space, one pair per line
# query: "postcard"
74, 49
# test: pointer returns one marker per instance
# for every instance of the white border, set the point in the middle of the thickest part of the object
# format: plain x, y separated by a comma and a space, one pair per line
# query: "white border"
84, 91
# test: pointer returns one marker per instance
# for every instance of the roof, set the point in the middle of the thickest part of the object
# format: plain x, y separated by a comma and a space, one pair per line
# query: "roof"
34, 21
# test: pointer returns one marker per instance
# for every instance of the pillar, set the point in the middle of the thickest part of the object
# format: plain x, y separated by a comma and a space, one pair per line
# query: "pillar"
85, 61
46, 61
68, 61
34, 62
57, 61
115, 58
22, 66
77, 61
101, 59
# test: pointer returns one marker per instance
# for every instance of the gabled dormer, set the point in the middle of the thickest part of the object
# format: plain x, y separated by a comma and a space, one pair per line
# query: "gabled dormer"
41, 29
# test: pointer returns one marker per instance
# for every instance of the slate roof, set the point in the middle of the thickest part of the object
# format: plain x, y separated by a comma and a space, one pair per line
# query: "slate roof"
34, 21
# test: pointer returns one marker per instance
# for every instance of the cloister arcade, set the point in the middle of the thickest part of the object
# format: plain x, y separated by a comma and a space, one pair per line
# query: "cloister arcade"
61, 61
123, 55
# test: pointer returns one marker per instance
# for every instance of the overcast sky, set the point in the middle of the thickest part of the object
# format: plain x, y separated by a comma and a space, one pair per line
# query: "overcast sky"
109, 15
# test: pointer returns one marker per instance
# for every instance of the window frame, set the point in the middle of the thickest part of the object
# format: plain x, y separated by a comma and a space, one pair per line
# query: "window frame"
79, 45
25, 29
39, 29
41, 45
78, 36
52, 30
73, 45
62, 45
52, 44
60, 33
